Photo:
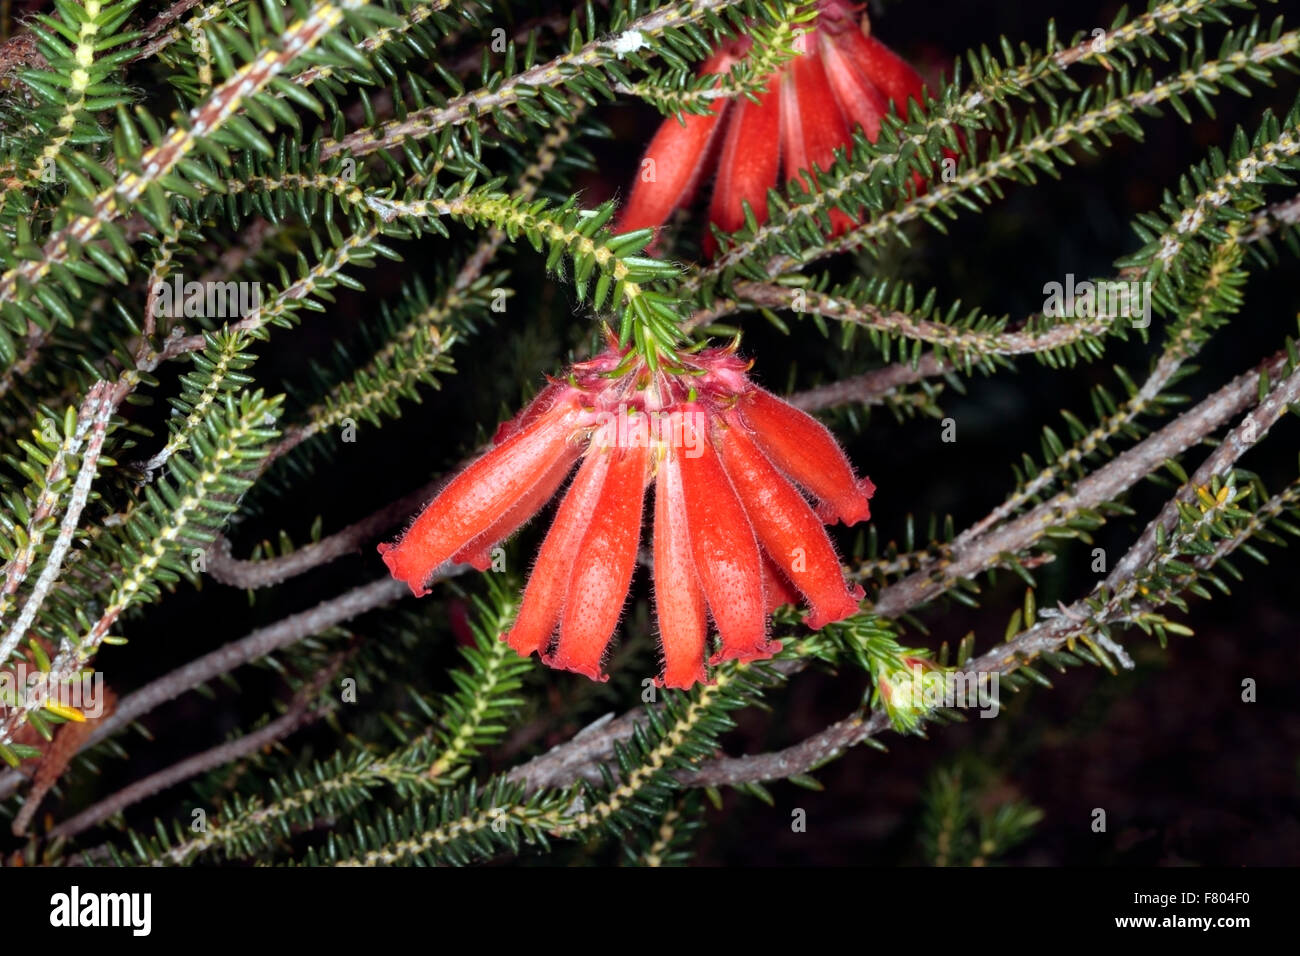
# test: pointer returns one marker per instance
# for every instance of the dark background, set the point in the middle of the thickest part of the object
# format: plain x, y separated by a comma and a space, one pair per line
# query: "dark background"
1187, 772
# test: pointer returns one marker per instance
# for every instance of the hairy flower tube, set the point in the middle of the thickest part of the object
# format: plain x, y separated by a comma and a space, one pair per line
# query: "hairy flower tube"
842, 78
742, 483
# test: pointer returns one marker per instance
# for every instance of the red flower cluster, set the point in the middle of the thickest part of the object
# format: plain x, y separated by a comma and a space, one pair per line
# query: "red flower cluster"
843, 78
733, 537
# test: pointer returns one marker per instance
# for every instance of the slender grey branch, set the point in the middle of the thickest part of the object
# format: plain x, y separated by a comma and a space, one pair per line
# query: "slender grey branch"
463, 109
580, 757
264, 573
97, 410
1237, 442
298, 714
1170, 361
257, 644
296, 717
808, 754
1269, 219
1020, 341
19, 565
871, 387
1104, 484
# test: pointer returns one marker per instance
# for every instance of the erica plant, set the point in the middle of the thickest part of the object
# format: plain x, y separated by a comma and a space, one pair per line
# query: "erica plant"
360, 357
730, 530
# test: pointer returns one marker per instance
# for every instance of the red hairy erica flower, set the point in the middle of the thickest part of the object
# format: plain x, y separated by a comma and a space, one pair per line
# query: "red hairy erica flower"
843, 78
734, 537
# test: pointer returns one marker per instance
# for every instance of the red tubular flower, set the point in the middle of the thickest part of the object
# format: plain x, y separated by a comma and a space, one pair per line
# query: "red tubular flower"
478, 553
788, 530
745, 172
606, 559
863, 102
478, 495
812, 127
671, 168
731, 533
806, 451
726, 553
842, 78
679, 600
880, 65
778, 590
542, 401
548, 586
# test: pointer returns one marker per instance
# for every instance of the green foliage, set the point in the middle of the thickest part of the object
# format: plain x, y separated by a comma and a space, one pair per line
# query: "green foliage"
302, 148
961, 829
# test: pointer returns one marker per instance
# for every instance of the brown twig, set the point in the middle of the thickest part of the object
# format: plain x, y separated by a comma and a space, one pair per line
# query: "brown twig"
298, 714
296, 717
1022, 341
157, 34
870, 388
257, 644
264, 573
20, 51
